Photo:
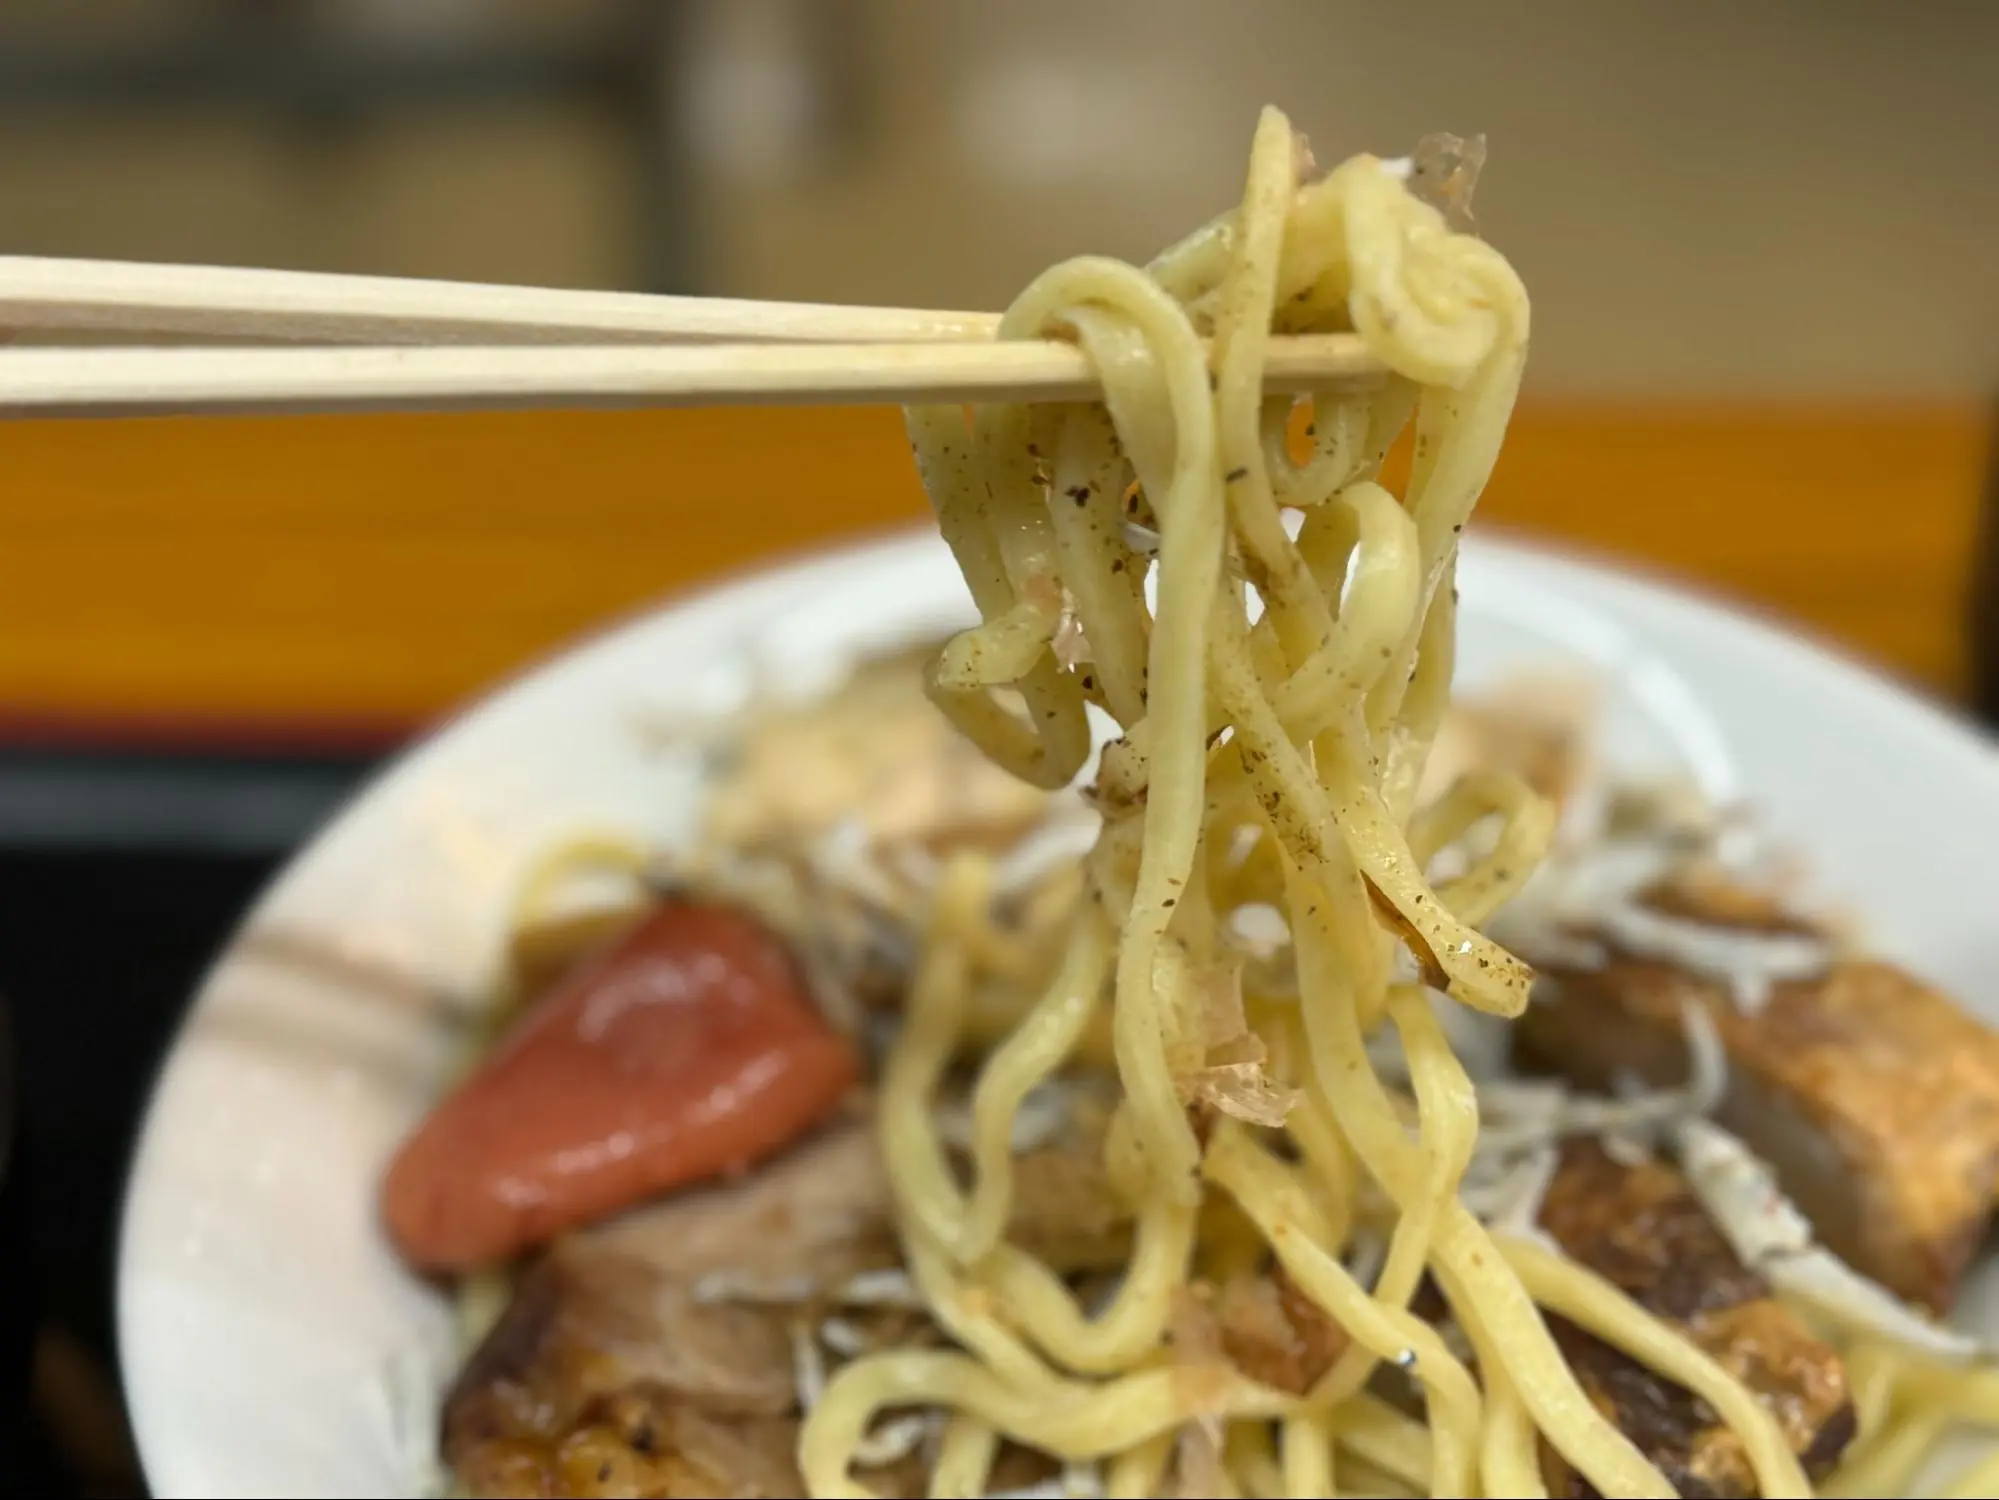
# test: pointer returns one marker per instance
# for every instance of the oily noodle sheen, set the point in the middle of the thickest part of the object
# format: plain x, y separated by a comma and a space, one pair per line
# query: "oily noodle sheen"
1265, 759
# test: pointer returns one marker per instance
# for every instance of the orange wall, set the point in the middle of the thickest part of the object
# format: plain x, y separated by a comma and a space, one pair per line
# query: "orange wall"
379, 569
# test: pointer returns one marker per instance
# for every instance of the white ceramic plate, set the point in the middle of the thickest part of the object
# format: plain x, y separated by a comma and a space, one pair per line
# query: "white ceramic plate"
265, 1327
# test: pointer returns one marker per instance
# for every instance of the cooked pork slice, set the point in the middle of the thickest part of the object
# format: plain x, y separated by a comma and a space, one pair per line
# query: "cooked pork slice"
819, 1214
1872, 1095
609, 1375
1641, 1228
656, 1355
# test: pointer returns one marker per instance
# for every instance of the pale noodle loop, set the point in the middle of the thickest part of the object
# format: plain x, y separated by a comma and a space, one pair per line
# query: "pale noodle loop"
1305, 730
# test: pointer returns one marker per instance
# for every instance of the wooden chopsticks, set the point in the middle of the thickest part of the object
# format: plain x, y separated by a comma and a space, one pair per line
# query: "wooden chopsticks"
304, 307
127, 382
381, 343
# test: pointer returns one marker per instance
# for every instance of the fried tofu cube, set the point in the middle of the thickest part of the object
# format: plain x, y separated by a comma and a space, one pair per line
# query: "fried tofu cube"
1871, 1094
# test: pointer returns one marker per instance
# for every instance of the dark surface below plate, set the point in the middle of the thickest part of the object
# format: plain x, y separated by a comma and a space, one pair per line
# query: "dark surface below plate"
17, 1308
119, 879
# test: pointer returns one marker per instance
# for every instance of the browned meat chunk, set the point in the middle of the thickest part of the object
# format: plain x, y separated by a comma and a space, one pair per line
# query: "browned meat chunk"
606, 1376
1872, 1095
1641, 1228
1274, 1333
1064, 1209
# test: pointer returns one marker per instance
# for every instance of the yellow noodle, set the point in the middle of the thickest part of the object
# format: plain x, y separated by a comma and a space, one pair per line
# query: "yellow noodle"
1284, 1215
613, 853
1978, 1480
1038, 1046
1376, 1433
1873, 1372
964, 1459
1308, 730
1885, 1463
1074, 1421
1527, 825
1509, 1458
918, 1169
1137, 1472
1306, 1456
1448, 1127
1486, 1295
1509, 1453
965, 1310
1295, 607
1041, 1304
1969, 1393
1251, 1459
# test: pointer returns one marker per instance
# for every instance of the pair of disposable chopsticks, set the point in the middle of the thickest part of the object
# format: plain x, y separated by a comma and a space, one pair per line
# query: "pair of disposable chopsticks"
308, 342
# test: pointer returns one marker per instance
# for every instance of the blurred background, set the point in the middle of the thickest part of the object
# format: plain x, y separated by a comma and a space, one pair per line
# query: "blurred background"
1767, 342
